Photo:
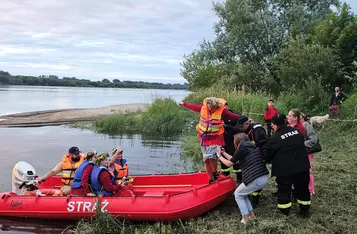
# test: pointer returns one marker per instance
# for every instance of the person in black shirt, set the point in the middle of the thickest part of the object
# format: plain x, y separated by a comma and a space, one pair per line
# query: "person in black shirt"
229, 132
255, 131
285, 150
254, 172
259, 137
335, 102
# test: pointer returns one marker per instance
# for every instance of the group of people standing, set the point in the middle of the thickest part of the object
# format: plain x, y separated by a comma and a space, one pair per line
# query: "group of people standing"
239, 143
91, 174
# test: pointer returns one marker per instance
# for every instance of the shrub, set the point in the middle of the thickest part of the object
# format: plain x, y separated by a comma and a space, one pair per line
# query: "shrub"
349, 108
165, 117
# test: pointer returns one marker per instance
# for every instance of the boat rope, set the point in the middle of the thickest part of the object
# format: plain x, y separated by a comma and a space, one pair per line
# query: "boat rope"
337, 120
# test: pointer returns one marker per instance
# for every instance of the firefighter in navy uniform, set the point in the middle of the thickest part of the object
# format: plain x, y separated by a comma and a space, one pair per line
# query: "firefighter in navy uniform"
229, 132
290, 164
259, 137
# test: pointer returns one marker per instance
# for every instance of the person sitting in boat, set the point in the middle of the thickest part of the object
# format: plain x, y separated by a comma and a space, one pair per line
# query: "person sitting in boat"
254, 172
103, 182
119, 165
69, 163
81, 181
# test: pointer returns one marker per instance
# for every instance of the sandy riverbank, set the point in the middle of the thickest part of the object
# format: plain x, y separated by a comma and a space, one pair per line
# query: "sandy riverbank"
64, 116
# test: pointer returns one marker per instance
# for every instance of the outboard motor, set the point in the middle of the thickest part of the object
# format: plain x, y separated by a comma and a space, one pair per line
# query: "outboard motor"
23, 176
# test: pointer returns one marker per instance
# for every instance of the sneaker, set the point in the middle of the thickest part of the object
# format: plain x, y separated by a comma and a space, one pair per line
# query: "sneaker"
243, 222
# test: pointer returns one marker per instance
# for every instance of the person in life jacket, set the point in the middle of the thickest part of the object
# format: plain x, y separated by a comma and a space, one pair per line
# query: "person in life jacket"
103, 182
81, 180
213, 113
258, 136
69, 163
118, 164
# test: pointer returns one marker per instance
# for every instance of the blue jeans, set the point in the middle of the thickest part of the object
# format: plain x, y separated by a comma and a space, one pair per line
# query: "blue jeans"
242, 192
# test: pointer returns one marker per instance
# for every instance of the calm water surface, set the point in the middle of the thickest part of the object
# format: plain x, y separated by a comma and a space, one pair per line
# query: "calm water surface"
43, 147
15, 99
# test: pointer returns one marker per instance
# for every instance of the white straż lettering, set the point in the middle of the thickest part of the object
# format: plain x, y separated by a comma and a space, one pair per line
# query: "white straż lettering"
86, 206
105, 203
70, 207
81, 206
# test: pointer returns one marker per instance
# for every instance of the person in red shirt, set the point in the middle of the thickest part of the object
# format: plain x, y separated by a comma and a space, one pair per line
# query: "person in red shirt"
269, 113
213, 113
102, 181
80, 185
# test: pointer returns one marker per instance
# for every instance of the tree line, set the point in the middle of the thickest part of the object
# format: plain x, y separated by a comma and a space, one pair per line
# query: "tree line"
51, 80
299, 49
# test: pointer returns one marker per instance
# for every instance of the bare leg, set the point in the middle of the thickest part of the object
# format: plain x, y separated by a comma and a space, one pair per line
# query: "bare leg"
208, 170
213, 165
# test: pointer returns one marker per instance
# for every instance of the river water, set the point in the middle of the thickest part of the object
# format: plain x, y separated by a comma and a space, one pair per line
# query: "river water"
43, 147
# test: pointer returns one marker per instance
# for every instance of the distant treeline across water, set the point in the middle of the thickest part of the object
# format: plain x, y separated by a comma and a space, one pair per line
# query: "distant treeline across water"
52, 80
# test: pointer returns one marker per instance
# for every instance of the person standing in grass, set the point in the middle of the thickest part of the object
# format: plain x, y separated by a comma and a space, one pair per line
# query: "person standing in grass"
310, 142
294, 118
335, 102
213, 113
254, 172
268, 114
285, 150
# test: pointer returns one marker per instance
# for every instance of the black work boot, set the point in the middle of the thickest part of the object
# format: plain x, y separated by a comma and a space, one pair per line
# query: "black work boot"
304, 210
285, 211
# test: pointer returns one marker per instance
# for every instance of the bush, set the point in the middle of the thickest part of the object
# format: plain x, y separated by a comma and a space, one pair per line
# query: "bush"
349, 108
312, 99
119, 124
165, 117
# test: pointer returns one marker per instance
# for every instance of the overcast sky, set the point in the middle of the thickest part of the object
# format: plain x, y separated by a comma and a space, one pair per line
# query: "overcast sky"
123, 39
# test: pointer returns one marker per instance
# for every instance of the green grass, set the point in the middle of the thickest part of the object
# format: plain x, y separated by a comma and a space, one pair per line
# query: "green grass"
164, 117
333, 210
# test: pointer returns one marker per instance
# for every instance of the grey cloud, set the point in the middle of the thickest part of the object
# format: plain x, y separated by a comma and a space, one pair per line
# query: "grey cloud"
132, 38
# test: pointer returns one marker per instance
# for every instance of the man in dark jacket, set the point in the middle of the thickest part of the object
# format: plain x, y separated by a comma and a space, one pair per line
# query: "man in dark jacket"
286, 152
229, 132
258, 136
255, 131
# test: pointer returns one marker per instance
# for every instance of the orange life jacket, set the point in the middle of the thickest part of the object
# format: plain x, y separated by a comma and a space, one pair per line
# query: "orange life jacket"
211, 123
122, 170
69, 167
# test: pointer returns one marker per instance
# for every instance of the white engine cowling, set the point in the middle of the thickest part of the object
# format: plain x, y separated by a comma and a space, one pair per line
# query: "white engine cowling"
22, 172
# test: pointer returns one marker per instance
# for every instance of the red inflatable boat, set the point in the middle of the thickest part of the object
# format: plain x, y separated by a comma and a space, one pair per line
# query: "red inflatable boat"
156, 198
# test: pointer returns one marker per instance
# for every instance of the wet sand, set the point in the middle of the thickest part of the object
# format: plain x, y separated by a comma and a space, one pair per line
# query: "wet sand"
64, 116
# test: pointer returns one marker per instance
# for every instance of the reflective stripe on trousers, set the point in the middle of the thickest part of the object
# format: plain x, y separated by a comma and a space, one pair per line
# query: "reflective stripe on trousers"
284, 206
305, 203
